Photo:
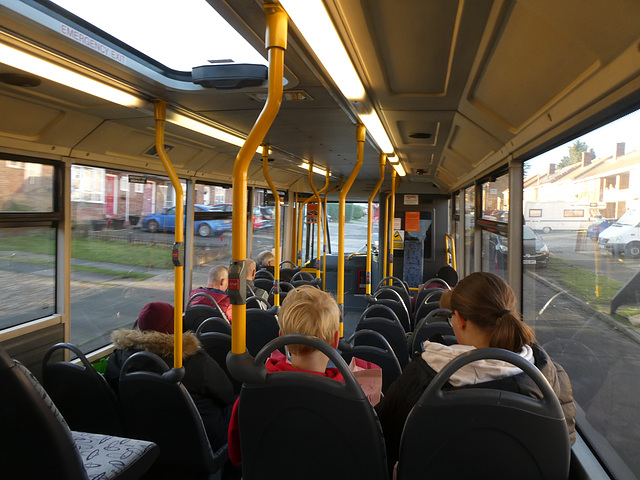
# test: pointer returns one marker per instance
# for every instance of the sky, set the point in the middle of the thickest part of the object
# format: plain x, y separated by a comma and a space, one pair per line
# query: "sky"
603, 141
180, 34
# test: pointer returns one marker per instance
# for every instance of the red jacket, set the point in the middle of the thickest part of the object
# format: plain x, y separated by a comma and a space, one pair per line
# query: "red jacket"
276, 363
218, 295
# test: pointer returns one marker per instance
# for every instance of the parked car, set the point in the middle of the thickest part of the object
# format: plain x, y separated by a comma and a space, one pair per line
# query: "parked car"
534, 250
258, 221
166, 221
268, 215
596, 228
623, 236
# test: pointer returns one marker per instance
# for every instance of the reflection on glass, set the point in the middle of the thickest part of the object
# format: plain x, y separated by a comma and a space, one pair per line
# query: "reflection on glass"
495, 199
27, 274
469, 227
26, 187
584, 305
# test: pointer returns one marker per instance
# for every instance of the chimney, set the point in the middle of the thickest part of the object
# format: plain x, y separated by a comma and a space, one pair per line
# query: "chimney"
619, 151
552, 168
587, 157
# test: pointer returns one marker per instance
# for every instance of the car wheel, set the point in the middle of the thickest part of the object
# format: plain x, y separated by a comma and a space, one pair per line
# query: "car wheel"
153, 226
632, 250
546, 230
204, 230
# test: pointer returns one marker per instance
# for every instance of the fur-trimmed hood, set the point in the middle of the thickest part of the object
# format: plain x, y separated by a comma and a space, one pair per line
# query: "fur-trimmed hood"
155, 342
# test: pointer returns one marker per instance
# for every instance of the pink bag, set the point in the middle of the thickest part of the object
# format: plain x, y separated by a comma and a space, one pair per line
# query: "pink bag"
369, 376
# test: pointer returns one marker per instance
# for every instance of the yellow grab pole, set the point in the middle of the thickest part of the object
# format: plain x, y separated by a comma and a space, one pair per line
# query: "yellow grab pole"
177, 253
319, 211
385, 251
274, 190
300, 232
294, 230
276, 43
383, 160
360, 137
322, 225
392, 215
326, 233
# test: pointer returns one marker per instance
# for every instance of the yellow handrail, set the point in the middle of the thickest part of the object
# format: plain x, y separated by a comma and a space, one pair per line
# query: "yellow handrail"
276, 43
160, 114
383, 160
357, 254
274, 190
326, 233
385, 251
360, 137
319, 212
451, 251
392, 215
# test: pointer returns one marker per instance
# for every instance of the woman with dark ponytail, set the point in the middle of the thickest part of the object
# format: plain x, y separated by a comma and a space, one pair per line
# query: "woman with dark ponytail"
484, 315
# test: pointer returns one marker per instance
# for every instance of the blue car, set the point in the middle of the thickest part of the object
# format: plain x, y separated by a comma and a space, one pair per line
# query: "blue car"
166, 221
595, 229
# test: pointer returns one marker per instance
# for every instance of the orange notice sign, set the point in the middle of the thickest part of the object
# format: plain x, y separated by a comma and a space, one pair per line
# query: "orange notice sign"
312, 213
412, 221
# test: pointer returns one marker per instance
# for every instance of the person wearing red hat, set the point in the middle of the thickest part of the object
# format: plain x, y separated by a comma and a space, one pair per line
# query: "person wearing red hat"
206, 382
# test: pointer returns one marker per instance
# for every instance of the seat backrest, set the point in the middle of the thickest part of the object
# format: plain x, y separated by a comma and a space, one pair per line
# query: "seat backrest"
158, 408
286, 274
381, 297
195, 314
372, 347
423, 293
392, 331
315, 413
379, 310
263, 273
35, 441
284, 288
262, 327
263, 283
502, 434
436, 331
218, 345
82, 395
257, 302
214, 324
402, 292
424, 309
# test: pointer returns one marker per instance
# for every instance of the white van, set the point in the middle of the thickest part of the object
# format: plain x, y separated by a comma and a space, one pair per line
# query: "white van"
548, 216
623, 236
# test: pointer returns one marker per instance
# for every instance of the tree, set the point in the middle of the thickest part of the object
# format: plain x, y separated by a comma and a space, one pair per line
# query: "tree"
576, 150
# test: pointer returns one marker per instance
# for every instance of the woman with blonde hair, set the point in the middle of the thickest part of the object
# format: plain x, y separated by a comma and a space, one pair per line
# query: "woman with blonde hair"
483, 315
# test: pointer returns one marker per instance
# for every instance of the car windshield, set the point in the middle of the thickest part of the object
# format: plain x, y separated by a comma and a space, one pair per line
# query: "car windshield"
632, 217
528, 234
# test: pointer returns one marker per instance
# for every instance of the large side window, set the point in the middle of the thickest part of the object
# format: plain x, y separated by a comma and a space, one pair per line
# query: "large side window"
29, 217
581, 286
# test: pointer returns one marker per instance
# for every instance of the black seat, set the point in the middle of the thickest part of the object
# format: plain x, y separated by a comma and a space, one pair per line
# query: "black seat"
194, 315
157, 407
218, 345
440, 332
262, 327
257, 302
424, 292
392, 331
37, 443
82, 395
214, 324
502, 434
332, 416
381, 297
286, 274
364, 345
305, 278
424, 309
400, 287
284, 287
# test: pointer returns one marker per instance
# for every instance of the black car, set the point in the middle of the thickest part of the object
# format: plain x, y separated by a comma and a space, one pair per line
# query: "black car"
534, 251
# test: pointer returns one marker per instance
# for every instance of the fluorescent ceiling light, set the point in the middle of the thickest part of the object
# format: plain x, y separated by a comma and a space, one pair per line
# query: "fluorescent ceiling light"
43, 68
377, 131
393, 159
318, 170
203, 128
312, 19
399, 169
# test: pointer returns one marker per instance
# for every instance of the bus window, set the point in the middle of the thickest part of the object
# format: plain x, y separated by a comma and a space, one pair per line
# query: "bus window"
495, 199
577, 303
28, 253
469, 227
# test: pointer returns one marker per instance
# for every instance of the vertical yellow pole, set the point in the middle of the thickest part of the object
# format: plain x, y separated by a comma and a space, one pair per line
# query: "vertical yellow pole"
319, 221
392, 214
274, 190
360, 137
383, 159
322, 224
326, 233
160, 114
300, 226
294, 230
276, 43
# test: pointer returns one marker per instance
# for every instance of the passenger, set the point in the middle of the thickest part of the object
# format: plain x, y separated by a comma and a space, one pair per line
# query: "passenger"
266, 260
252, 290
309, 311
484, 315
217, 285
204, 379
446, 273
